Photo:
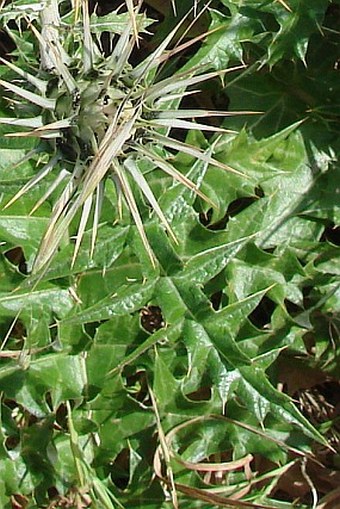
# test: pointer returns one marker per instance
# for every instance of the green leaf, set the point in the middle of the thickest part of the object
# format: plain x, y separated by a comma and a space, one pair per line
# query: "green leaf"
23, 231
261, 396
54, 301
295, 22
115, 23
207, 264
225, 324
109, 246
59, 375
224, 45
250, 282
128, 299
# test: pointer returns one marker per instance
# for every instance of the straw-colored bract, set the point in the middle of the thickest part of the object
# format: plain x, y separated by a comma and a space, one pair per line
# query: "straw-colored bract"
102, 117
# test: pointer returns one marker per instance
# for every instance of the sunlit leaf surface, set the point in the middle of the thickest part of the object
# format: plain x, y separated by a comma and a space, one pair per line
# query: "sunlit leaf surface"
178, 360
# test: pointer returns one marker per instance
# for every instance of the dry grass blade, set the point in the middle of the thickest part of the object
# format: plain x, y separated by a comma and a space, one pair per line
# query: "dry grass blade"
165, 451
195, 152
96, 215
179, 48
69, 190
173, 4
185, 124
131, 11
229, 466
206, 495
55, 232
309, 483
204, 467
171, 170
154, 59
109, 148
217, 500
82, 225
45, 170
175, 114
16, 354
285, 5
88, 55
131, 202
60, 178
195, 18
76, 4
139, 178
35, 134
27, 157
174, 97
180, 81
65, 123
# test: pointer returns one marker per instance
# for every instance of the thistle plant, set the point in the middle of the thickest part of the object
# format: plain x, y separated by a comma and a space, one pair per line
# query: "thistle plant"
128, 385
96, 117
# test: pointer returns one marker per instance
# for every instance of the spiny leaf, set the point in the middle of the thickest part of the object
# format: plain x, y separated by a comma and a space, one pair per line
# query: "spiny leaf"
44, 102
45, 170
184, 124
22, 122
41, 85
132, 14
131, 202
171, 170
170, 84
82, 225
109, 147
144, 186
128, 299
195, 152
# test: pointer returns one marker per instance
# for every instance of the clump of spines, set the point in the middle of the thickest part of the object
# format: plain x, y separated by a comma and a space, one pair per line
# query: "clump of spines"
101, 127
